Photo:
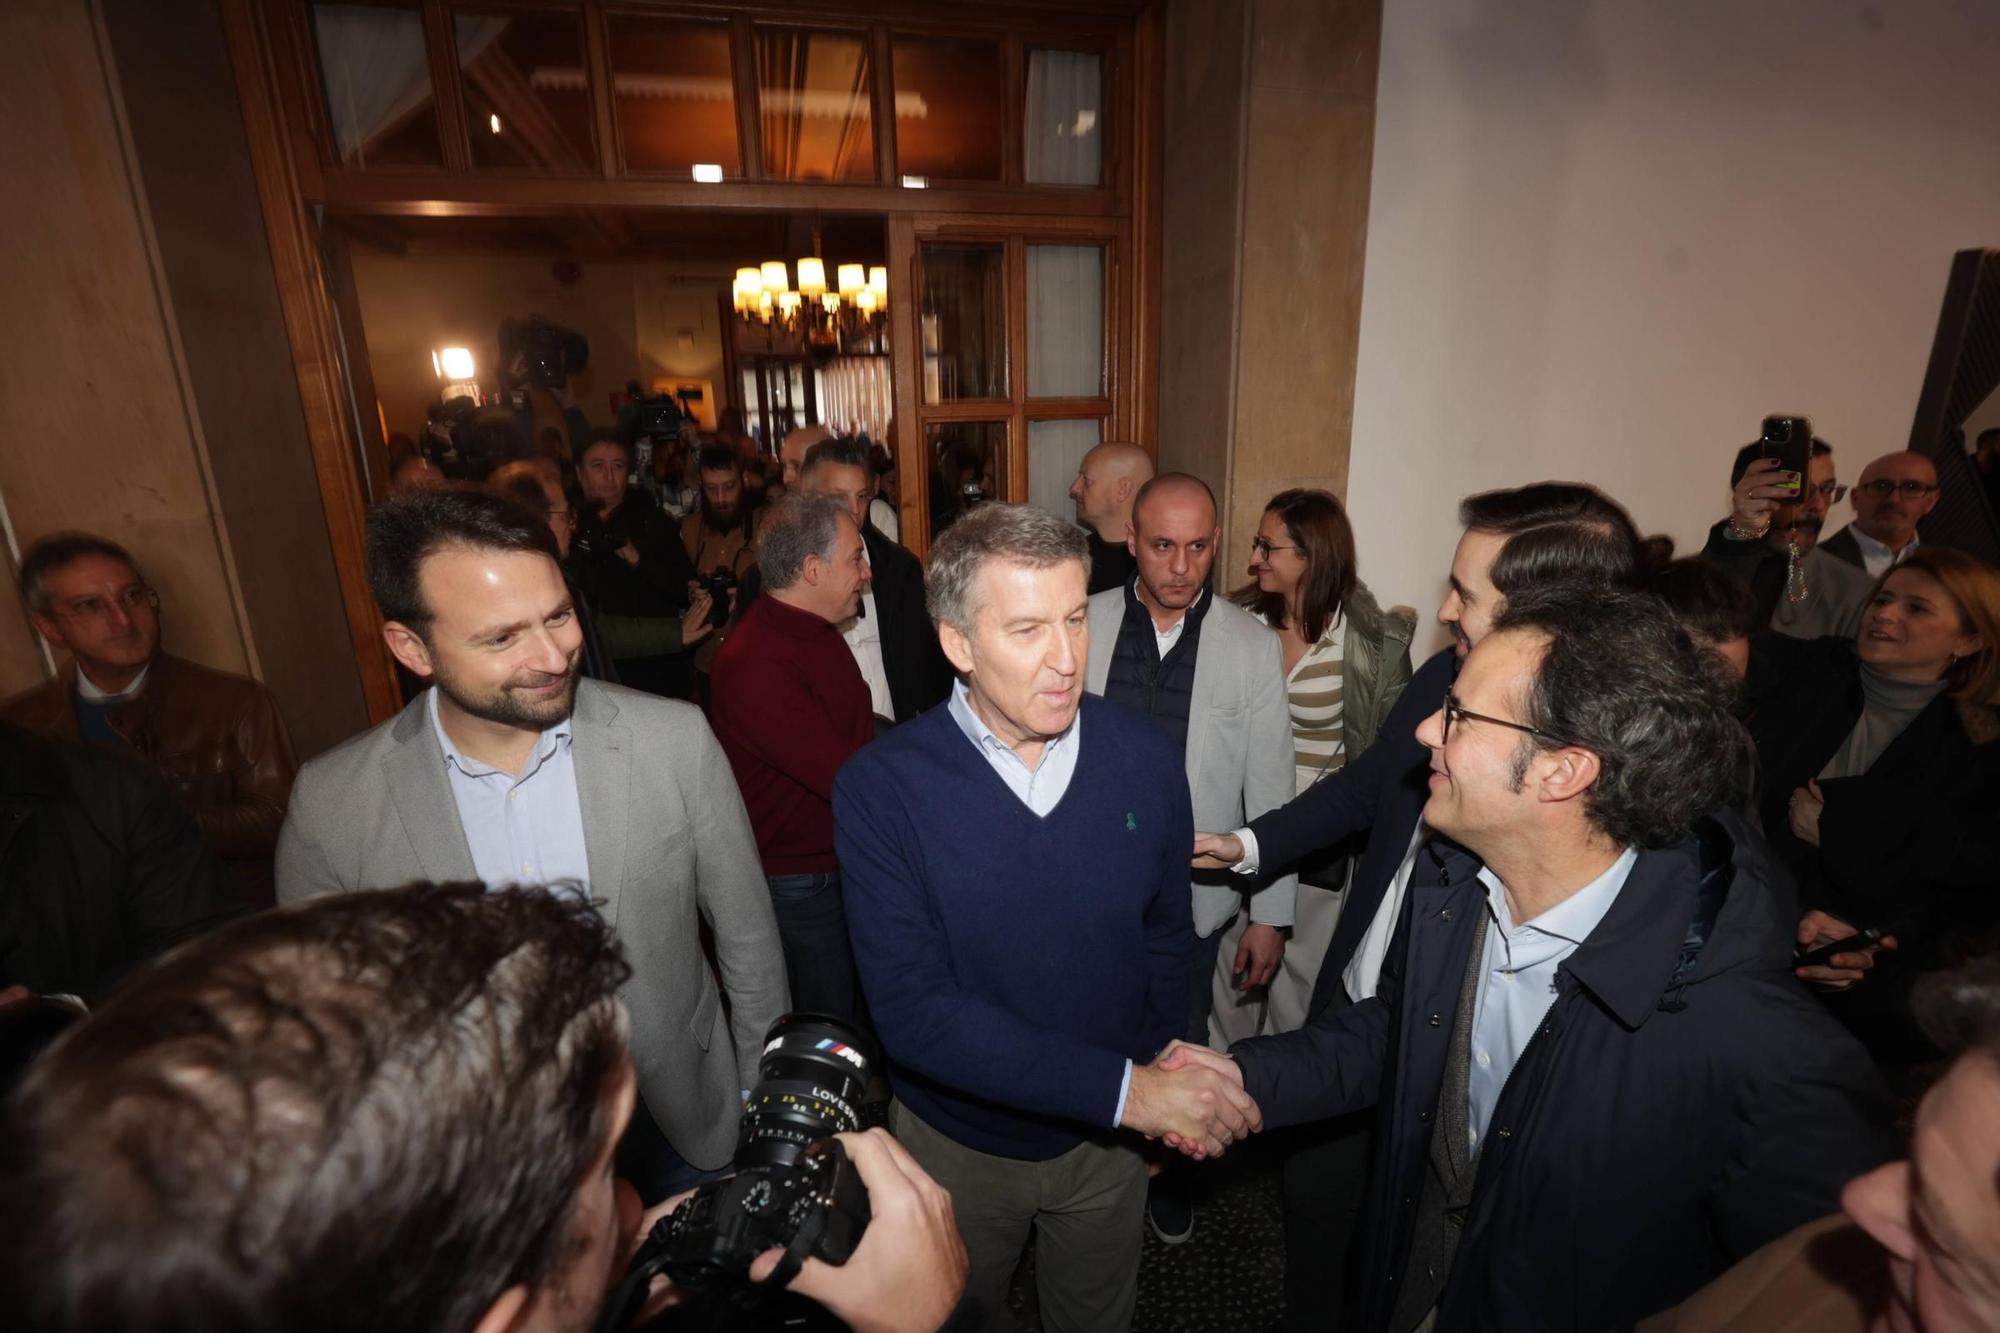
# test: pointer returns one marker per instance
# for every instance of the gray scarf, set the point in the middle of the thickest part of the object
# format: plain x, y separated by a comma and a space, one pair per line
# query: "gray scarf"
1887, 707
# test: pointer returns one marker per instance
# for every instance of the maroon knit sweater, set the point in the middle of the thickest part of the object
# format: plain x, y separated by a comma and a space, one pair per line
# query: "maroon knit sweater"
790, 707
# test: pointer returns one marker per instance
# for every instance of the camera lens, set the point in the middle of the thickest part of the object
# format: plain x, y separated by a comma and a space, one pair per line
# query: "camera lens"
809, 1086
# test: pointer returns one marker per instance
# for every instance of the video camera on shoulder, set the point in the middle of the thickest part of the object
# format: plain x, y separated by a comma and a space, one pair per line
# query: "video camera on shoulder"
794, 1188
552, 353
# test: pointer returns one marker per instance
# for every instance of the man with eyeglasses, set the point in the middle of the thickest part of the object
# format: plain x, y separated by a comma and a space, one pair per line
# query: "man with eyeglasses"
1596, 1085
1892, 497
1771, 541
1515, 541
216, 738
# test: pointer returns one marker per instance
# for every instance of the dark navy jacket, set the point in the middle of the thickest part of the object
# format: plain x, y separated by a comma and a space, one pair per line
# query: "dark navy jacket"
1638, 1148
1380, 793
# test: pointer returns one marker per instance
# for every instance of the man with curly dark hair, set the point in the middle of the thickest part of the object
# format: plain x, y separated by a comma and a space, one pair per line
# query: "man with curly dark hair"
1597, 1082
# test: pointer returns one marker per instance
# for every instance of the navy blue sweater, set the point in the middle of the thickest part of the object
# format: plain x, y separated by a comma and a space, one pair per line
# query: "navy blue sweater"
1014, 962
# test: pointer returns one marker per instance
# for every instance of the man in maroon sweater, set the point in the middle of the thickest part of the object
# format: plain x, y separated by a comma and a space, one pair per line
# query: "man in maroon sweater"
790, 706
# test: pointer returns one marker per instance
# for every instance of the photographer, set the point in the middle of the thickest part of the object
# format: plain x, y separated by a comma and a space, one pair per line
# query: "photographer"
634, 572
537, 354
388, 1111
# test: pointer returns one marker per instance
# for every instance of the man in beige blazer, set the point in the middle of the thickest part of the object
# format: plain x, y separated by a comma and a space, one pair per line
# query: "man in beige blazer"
512, 770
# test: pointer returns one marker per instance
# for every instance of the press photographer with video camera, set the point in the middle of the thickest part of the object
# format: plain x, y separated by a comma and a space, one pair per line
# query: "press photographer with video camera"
393, 1111
538, 354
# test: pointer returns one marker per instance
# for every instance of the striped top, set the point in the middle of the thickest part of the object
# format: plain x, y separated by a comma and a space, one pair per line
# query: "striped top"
1314, 690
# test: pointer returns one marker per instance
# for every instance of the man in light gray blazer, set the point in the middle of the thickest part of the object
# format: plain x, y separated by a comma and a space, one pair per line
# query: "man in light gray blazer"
1212, 676
512, 770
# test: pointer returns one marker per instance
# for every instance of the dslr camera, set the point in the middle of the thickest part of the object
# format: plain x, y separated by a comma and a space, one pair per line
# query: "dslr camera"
794, 1188
719, 585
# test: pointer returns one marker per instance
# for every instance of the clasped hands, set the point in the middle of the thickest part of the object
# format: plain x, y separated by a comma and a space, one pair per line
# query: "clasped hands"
1191, 1098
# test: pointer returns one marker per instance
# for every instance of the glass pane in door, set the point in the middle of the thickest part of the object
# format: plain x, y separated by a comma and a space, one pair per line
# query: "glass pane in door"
1065, 321
964, 321
1055, 449
968, 466
377, 80
527, 91
815, 93
949, 95
674, 94
1063, 121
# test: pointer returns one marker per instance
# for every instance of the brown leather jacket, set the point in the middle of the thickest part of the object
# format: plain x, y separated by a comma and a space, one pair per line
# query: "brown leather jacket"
216, 738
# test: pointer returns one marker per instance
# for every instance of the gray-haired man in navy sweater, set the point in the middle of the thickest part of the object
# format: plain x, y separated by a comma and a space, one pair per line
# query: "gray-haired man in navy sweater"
1016, 879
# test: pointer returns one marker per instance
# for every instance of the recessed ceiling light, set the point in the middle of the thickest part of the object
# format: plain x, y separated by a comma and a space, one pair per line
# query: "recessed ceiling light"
915, 182
494, 122
708, 173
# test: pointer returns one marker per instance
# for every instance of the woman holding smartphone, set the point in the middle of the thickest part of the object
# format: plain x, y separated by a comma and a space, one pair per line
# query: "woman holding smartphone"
1881, 764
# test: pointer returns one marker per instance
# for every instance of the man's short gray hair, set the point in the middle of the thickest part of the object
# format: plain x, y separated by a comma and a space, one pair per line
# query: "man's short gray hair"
1015, 534
795, 527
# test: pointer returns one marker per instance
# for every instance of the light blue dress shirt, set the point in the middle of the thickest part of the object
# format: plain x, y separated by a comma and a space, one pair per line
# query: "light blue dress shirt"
525, 829
1039, 788
1519, 969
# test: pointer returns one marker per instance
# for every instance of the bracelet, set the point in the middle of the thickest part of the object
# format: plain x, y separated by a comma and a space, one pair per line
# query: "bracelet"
1737, 532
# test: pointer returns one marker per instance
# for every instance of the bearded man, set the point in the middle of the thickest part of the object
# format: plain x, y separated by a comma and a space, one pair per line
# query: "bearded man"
512, 770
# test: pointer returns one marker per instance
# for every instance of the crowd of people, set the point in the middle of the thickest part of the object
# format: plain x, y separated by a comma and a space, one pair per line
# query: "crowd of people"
1602, 967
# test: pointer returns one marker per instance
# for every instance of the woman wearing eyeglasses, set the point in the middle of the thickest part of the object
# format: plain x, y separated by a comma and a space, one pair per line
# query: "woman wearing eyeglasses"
1881, 765
1346, 661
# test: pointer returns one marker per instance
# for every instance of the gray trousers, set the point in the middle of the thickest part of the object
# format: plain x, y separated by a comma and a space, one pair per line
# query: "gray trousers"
1087, 1208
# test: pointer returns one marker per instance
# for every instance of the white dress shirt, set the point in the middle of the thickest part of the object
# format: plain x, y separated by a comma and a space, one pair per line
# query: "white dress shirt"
1877, 558
1518, 967
1363, 973
87, 690
864, 639
525, 828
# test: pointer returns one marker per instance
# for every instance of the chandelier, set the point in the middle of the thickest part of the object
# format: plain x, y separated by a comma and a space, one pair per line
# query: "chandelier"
854, 307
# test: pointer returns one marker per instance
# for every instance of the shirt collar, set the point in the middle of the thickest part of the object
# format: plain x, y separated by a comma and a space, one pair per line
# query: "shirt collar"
560, 733
90, 694
982, 736
1869, 546
1574, 917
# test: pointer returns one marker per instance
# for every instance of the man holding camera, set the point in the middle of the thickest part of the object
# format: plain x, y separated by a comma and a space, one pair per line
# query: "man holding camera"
392, 1112
1016, 881
790, 708
511, 770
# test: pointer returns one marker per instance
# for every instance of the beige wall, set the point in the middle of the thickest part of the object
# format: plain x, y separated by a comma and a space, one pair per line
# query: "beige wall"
1605, 240
644, 318
1268, 128
94, 404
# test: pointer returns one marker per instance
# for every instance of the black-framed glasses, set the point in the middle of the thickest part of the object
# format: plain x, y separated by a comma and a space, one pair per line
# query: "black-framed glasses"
1262, 548
1831, 491
1453, 711
1883, 488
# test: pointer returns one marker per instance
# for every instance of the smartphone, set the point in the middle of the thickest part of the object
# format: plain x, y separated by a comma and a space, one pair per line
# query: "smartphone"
1852, 944
1789, 440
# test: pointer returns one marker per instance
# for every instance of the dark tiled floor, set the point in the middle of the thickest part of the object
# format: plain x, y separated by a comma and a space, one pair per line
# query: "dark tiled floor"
1226, 1278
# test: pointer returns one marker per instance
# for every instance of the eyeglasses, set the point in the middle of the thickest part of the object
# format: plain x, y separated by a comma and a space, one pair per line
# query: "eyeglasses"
1453, 712
1827, 490
95, 608
1884, 488
1262, 549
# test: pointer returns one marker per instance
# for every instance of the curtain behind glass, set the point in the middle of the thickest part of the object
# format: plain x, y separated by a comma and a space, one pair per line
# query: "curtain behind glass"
1064, 133
376, 71
1065, 321
1055, 451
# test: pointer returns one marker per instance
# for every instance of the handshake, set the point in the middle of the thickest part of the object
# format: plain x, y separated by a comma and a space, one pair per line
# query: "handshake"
1191, 1098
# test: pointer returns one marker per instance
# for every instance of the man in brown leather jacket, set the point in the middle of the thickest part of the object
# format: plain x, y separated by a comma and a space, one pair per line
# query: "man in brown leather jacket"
216, 738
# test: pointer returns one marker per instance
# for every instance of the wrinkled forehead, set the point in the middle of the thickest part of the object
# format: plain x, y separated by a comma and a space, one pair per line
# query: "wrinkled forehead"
1010, 591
